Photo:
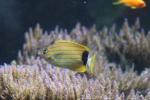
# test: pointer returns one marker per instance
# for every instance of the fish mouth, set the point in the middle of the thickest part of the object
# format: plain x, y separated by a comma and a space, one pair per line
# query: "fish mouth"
142, 5
41, 52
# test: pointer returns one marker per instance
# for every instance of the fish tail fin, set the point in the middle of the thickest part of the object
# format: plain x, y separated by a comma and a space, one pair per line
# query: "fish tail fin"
117, 2
92, 63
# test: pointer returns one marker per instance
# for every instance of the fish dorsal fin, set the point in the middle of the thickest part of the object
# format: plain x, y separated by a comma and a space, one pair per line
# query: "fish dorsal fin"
71, 43
117, 2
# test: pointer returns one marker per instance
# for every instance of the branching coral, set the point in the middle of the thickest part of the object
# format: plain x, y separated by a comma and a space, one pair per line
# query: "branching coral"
43, 81
130, 46
31, 77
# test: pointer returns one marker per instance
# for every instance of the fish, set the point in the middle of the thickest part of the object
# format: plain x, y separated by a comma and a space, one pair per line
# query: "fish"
70, 55
133, 4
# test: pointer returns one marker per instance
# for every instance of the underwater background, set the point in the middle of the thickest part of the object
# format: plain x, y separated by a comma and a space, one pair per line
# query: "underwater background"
17, 16
120, 34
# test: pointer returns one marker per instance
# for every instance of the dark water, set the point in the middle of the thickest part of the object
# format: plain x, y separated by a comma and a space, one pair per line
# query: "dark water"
16, 16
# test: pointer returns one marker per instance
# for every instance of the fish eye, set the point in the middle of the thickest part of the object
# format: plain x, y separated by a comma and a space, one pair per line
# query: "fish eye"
44, 51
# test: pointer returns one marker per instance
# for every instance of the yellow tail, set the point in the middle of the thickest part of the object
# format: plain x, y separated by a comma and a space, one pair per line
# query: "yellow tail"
92, 63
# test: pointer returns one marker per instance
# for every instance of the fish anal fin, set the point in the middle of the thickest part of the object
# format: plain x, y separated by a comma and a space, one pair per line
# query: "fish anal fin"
81, 69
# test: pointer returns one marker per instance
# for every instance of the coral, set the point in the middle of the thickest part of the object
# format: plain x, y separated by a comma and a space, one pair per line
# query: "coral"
44, 81
129, 46
31, 77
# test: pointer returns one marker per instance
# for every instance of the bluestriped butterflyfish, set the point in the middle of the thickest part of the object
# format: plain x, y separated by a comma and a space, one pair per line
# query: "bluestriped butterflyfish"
71, 55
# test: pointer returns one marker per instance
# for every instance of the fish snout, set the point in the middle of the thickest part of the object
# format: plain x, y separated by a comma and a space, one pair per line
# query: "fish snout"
142, 5
42, 52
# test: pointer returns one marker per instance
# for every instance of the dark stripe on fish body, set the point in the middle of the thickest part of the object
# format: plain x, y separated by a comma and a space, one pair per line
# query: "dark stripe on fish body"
65, 53
68, 62
54, 47
62, 61
73, 49
65, 57
85, 57
64, 50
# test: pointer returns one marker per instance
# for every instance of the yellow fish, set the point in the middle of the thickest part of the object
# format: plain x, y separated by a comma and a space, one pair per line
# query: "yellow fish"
131, 3
71, 55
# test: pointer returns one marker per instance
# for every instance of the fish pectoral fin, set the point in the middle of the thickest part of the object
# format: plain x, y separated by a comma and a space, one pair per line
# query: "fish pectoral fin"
133, 7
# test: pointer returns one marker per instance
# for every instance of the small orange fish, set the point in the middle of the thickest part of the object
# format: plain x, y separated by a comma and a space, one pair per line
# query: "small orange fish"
131, 3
